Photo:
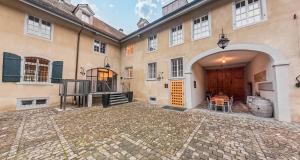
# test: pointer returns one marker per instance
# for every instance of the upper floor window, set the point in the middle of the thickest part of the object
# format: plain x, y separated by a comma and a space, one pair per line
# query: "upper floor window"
176, 35
99, 47
247, 12
201, 27
129, 72
129, 50
38, 27
85, 17
177, 67
152, 70
36, 70
152, 43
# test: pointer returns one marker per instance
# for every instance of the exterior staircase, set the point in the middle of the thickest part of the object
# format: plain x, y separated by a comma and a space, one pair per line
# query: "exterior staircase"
118, 98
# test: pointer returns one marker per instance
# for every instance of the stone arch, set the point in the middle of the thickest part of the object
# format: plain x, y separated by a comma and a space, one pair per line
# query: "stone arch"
280, 65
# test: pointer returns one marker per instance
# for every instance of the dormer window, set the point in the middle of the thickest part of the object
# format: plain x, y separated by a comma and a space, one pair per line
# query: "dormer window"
85, 17
84, 13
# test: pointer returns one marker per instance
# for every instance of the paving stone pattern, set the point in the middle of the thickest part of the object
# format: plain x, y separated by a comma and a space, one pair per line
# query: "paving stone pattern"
133, 131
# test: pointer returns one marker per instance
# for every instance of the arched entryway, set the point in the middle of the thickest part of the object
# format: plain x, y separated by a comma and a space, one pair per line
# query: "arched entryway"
103, 80
279, 68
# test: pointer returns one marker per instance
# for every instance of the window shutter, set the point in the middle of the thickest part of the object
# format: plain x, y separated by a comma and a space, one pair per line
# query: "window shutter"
11, 68
57, 71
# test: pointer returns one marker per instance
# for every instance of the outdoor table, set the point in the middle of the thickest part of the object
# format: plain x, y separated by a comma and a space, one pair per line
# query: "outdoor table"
225, 98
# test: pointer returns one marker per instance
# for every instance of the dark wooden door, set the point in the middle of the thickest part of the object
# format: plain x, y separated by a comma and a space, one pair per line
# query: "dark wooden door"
229, 81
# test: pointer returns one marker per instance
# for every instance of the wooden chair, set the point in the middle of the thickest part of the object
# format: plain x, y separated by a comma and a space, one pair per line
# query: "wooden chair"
220, 103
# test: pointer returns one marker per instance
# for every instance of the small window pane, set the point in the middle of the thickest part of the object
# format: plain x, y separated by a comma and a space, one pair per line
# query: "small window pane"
152, 43
27, 102
177, 67
41, 101
177, 35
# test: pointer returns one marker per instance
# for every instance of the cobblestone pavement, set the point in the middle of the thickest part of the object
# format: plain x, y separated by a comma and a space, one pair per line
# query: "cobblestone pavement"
132, 131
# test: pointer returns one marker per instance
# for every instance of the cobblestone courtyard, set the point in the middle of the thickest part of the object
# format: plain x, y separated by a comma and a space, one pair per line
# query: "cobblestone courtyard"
132, 132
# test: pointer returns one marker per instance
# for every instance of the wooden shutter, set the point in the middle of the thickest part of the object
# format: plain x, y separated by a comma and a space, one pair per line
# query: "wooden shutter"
11, 68
57, 71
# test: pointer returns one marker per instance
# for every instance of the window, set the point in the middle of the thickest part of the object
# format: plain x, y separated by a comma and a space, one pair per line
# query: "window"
99, 46
38, 27
152, 71
177, 67
32, 103
201, 27
176, 35
247, 12
129, 72
152, 43
129, 50
85, 17
36, 70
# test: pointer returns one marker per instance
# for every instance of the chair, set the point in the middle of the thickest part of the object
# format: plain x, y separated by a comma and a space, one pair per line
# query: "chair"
209, 103
230, 104
220, 103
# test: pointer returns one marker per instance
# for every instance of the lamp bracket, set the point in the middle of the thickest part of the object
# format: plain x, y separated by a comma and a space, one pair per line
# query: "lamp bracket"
298, 81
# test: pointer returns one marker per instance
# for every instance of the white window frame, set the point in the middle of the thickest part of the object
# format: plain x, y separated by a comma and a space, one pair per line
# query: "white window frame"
155, 43
39, 33
155, 72
85, 17
209, 27
263, 8
99, 45
35, 82
177, 68
171, 36
127, 70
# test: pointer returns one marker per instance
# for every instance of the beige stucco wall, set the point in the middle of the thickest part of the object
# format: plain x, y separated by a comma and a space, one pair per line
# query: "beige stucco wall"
261, 62
279, 31
61, 48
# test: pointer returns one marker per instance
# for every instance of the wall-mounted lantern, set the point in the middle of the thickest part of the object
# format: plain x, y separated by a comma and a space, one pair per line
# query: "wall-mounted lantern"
106, 64
82, 71
298, 81
223, 41
160, 76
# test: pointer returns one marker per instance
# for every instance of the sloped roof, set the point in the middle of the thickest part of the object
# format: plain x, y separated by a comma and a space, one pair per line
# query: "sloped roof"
66, 10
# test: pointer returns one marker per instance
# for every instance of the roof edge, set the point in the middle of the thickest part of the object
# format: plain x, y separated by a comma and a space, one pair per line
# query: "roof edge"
185, 9
77, 23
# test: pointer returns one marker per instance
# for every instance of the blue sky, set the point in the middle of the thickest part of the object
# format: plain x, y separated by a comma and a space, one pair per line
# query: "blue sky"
125, 13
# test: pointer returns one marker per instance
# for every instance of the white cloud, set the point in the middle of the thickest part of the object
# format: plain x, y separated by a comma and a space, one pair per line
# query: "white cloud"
146, 8
111, 5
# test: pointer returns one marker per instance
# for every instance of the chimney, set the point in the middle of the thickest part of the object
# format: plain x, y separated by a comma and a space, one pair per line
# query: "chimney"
121, 30
173, 6
142, 23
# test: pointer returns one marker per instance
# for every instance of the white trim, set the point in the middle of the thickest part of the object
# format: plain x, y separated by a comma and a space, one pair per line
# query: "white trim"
147, 72
170, 68
22, 82
68, 20
209, 24
38, 36
147, 41
281, 66
93, 47
170, 35
201, 3
34, 105
264, 16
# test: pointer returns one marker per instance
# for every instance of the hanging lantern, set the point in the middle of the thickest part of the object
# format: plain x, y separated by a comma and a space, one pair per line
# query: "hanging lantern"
224, 41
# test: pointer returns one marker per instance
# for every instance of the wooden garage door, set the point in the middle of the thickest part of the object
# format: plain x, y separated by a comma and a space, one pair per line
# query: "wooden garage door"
177, 93
229, 81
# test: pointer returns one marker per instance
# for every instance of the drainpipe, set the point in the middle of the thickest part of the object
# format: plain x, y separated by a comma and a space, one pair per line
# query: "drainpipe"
77, 51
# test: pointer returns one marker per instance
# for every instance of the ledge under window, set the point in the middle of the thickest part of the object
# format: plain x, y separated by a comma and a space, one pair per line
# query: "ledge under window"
36, 83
